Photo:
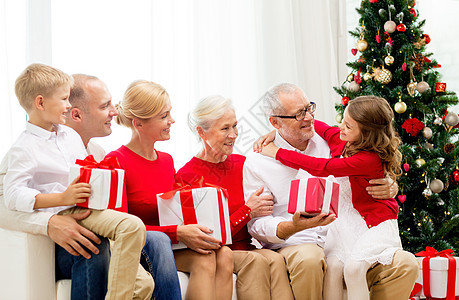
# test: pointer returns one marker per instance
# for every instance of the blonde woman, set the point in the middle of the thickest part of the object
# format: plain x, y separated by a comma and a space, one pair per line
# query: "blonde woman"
146, 110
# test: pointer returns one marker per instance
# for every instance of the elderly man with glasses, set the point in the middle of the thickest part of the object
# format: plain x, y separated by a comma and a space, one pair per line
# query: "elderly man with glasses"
300, 240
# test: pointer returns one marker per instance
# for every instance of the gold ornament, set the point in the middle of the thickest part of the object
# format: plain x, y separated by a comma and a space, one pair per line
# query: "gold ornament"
339, 118
436, 186
420, 162
389, 60
410, 87
350, 77
427, 132
367, 76
383, 76
362, 45
400, 107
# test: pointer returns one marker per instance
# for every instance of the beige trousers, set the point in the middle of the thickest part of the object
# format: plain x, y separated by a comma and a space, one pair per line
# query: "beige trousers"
128, 235
261, 274
306, 266
394, 281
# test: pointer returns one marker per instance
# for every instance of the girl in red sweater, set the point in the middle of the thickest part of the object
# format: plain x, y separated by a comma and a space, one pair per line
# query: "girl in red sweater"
364, 147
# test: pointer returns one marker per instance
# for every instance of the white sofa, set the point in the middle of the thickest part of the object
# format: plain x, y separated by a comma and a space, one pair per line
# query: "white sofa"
27, 269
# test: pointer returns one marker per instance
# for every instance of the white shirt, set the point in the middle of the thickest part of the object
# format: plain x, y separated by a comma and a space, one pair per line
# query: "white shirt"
39, 162
95, 150
260, 170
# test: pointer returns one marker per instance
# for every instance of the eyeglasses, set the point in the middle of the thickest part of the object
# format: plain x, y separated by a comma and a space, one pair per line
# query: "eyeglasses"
300, 116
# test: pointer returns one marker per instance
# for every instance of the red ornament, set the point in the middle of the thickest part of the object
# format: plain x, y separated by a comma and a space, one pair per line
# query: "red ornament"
401, 27
406, 167
378, 39
413, 126
404, 66
455, 176
427, 37
427, 60
358, 77
440, 87
457, 126
401, 198
345, 100
413, 12
354, 51
373, 1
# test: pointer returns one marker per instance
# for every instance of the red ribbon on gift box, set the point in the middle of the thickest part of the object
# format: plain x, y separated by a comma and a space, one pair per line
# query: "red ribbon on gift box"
451, 284
186, 197
109, 163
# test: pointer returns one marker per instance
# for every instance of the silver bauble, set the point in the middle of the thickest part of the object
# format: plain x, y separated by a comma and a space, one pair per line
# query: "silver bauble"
438, 121
422, 86
436, 185
390, 26
427, 132
452, 119
354, 86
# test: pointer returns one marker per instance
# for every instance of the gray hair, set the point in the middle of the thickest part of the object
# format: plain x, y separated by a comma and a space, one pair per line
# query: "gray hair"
207, 111
271, 101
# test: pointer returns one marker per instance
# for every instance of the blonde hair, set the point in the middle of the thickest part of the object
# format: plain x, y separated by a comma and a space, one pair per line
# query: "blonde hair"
39, 79
207, 111
374, 117
143, 99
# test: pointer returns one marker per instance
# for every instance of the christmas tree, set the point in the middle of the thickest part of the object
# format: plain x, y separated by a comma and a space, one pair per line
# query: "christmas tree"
392, 62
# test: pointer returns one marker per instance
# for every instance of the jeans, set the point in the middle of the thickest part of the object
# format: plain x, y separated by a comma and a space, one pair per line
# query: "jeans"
89, 276
158, 259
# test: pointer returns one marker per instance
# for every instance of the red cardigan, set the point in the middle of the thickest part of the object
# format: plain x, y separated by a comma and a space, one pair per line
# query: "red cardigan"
361, 167
227, 174
142, 181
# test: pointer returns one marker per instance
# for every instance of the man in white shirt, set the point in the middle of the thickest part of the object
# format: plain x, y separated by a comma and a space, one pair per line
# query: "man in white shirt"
291, 114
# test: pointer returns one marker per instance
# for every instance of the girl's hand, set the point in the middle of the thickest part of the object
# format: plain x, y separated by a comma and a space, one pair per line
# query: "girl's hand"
270, 150
77, 192
260, 205
196, 237
263, 141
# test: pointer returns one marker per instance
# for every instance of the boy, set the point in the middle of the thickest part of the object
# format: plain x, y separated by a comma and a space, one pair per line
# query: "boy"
37, 167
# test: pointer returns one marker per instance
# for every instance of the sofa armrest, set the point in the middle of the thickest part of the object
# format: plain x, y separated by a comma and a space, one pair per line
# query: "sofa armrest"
27, 262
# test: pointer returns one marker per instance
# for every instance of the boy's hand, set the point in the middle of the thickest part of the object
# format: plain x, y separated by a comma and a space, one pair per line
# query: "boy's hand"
77, 192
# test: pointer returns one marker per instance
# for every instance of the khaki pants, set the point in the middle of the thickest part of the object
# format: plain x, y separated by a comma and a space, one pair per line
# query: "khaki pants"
306, 266
128, 235
394, 281
261, 274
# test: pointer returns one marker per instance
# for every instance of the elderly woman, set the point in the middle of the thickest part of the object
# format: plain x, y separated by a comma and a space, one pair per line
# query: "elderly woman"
261, 273
146, 110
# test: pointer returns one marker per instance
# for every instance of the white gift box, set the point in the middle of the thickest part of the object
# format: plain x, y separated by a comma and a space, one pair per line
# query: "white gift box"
209, 208
438, 276
101, 188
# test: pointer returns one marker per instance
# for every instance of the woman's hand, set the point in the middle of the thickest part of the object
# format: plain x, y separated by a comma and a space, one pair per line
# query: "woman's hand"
263, 141
260, 205
196, 237
270, 150
382, 188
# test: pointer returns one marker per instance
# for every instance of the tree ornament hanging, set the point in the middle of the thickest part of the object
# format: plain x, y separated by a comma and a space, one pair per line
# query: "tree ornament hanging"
378, 37
440, 160
427, 192
438, 121
413, 12
382, 13
412, 85
339, 118
367, 76
401, 27
358, 77
420, 43
354, 87
350, 77
382, 75
402, 198
362, 45
452, 119
390, 26
440, 87
427, 132
426, 37
436, 185
420, 162
428, 146
455, 176
373, 1
422, 86
418, 62
449, 148
354, 51
406, 167
345, 100
400, 107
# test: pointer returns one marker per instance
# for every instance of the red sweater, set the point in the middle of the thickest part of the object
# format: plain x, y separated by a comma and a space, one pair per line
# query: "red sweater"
142, 181
361, 167
227, 174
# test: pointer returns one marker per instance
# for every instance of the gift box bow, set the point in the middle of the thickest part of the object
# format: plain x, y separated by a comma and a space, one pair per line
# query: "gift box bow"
108, 163
187, 204
428, 254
